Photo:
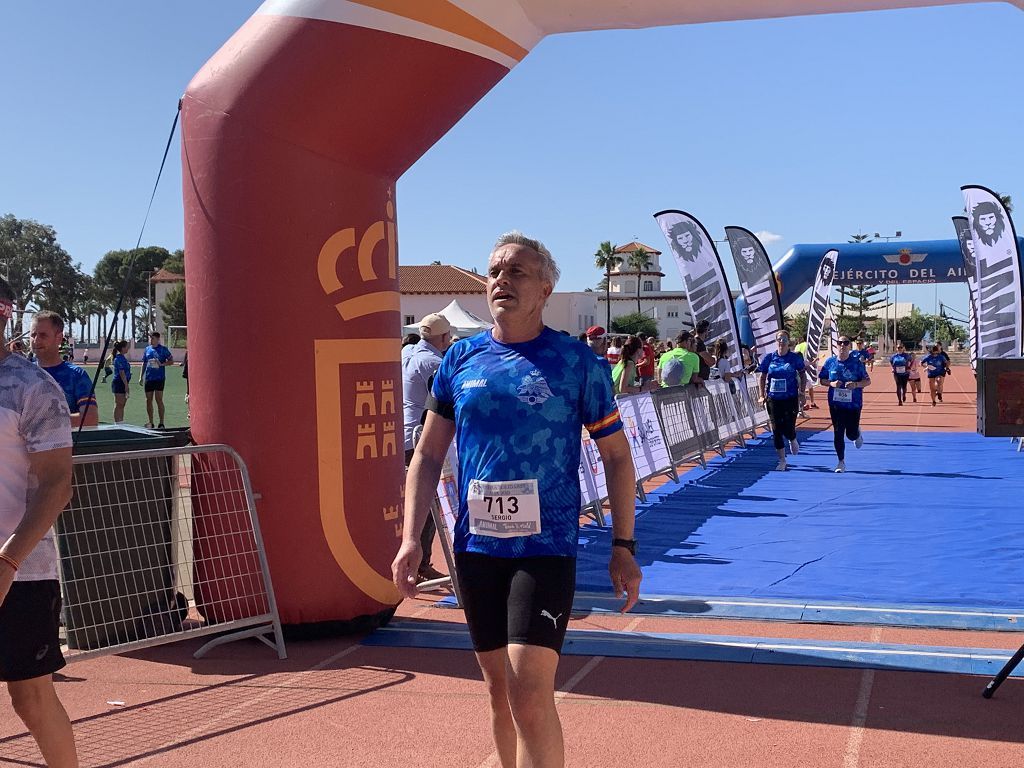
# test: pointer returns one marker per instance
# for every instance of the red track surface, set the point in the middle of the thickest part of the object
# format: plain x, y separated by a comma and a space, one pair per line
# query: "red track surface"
336, 703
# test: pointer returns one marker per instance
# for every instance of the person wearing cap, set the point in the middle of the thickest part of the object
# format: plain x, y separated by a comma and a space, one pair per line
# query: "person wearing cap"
35, 485
597, 340
517, 398
419, 364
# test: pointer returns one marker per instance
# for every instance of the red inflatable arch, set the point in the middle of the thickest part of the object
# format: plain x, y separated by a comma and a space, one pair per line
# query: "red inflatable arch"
294, 134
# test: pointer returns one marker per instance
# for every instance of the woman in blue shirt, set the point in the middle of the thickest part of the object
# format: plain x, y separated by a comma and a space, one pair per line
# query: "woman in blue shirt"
900, 372
122, 375
781, 379
845, 376
935, 364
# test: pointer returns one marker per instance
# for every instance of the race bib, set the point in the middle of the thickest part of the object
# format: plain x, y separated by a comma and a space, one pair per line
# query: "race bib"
901, 369
842, 395
777, 386
153, 363
505, 509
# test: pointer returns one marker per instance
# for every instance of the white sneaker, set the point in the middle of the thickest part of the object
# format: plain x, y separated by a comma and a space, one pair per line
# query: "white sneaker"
859, 441
840, 467
781, 466
794, 447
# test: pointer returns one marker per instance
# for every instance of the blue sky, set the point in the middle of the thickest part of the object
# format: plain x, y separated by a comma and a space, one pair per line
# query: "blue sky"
810, 128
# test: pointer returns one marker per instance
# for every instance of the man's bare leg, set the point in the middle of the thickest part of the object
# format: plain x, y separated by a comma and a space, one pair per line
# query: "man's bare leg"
149, 409
37, 705
531, 689
159, 406
494, 665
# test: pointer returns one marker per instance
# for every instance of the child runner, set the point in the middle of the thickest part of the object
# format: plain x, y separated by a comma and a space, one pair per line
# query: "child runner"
914, 372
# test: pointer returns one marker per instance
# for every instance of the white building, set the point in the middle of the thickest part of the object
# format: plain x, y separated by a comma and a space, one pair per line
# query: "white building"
160, 284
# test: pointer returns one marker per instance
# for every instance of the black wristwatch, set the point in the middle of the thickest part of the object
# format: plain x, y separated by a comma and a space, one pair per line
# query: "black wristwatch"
629, 544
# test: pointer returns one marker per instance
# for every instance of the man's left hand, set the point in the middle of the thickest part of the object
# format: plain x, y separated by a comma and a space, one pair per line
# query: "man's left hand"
626, 576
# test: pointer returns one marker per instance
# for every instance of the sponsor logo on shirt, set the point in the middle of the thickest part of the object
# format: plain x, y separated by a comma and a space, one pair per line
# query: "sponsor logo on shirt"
474, 383
533, 390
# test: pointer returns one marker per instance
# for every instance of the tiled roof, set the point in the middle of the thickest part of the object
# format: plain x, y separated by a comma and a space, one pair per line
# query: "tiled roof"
635, 246
163, 276
439, 278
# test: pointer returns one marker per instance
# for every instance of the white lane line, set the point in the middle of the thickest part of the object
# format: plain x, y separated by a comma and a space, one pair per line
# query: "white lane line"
860, 712
273, 690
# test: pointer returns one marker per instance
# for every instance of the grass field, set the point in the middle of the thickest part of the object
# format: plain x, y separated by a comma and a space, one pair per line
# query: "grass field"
175, 409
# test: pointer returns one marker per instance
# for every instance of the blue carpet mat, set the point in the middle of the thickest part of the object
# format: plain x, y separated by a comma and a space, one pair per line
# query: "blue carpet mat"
918, 519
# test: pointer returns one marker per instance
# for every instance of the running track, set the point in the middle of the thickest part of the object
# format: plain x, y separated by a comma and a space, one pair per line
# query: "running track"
339, 703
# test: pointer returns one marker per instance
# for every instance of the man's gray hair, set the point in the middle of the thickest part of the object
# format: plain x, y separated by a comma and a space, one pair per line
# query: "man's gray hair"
547, 262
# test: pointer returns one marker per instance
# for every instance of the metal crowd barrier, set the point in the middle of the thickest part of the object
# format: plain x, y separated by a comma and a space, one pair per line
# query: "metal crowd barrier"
160, 545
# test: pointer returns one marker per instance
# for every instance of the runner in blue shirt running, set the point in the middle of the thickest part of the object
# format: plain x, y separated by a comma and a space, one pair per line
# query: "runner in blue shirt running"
782, 374
846, 376
935, 364
900, 372
516, 399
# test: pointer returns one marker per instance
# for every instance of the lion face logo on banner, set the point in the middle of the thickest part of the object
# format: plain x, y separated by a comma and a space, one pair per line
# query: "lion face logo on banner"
686, 240
748, 256
967, 248
988, 222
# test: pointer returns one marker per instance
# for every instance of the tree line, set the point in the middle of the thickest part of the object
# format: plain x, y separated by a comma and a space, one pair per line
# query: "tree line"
43, 275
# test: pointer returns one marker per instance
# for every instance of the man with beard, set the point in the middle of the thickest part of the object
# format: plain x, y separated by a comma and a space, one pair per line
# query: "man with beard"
685, 239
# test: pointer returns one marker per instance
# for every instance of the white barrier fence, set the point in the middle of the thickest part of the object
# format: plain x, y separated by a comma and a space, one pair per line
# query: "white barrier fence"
160, 545
665, 429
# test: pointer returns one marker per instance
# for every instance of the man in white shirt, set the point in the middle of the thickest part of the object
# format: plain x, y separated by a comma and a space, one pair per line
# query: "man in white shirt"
35, 485
420, 362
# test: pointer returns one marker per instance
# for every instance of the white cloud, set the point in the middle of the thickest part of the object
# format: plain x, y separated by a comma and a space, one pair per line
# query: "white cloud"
767, 238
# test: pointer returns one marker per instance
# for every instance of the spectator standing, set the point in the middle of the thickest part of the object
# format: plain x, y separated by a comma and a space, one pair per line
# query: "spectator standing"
700, 348
420, 362
614, 353
47, 337
679, 365
154, 359
645, 368
597, 340
122, 376
35, 485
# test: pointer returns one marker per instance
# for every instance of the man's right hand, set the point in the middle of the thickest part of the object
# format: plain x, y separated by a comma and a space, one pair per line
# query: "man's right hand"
406, 567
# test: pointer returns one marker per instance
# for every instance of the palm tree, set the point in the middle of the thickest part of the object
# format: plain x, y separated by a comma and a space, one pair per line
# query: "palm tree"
639, 260
607, 259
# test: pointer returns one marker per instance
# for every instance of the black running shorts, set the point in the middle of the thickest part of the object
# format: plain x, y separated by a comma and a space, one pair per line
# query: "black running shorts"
29, 631
521, 601
155, 386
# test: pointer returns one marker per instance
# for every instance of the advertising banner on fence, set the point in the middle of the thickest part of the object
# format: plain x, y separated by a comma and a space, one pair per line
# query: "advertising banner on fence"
997, 263
757, 282
643, 432
593, 487
820, 302
707, 290
448, 489
963, 234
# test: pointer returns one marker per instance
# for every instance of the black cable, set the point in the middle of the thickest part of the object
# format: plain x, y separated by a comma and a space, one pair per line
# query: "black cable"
128, 270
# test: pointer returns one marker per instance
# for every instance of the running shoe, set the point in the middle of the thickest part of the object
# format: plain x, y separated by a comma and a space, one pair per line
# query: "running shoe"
939, 395
859, 441
781, 466
794, 447
840, 467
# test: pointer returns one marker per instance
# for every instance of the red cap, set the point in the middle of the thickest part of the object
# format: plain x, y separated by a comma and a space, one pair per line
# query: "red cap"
595, 331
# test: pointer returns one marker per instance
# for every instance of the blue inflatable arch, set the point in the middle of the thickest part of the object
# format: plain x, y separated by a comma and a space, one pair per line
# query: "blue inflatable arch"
913, 262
